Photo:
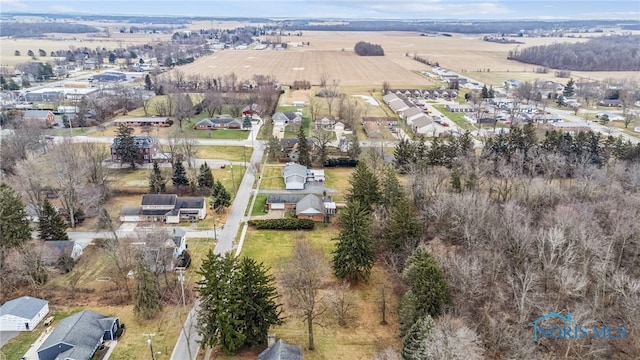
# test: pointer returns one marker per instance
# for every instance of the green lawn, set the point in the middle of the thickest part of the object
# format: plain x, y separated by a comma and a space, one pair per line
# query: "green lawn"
259, 205
272, 178
456, 117
338, 179
231, 153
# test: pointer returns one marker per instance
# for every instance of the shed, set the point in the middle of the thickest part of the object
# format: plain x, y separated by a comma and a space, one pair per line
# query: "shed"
23, 313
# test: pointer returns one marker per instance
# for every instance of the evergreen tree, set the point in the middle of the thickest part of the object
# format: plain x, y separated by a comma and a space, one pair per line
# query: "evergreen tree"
407, 312
485, 92
354, 254
205, 177
51, 225
126, 146
237, 302
246, 123
569, 88
259, 294
146, 296
403, 230
220, 197
391, 190
147, 82
179, 175
157, 182
492, 93
304, 156
14, 224
364, 186
426, 281
404, 154
456, 183
414, 344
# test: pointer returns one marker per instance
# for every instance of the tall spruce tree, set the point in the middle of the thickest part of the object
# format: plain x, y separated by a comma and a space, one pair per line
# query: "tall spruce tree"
426, 281
220, 197
205, 177
14, 224
260, 295
569, 88
403, 230
364, 186
179, 178
126, 146
51, 225
157, 182
414, 344
391, 190
237, 302
354, 254
304, 153
146, 296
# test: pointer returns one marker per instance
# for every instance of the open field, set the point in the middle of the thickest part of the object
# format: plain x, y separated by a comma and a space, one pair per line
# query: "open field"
362, 338
466, 54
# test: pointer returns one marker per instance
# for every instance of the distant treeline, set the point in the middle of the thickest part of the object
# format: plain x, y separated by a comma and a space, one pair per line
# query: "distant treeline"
364, 48
465, 27
139, 19
39, 29
606, 53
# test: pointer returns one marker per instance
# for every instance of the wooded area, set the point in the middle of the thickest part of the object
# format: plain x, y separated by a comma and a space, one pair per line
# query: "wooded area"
606, 53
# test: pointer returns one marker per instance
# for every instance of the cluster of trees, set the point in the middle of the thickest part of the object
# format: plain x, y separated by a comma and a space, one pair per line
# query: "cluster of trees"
524, 228
593, 55
364, 48
238, 302
38, 29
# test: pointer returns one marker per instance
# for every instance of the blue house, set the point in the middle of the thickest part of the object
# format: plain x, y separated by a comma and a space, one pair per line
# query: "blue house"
78, 336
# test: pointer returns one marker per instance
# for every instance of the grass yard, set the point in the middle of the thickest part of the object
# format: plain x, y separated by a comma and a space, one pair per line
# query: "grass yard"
259, 205
338, 179
231, 153
456, 117
361, 339
272, 178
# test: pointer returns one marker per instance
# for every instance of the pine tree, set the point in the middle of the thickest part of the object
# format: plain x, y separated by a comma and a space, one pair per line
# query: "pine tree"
259, 294
179, 175
391, 190
146, 296
569, 89
403, 231
205, 177
51, 225
147, 82
246, 123
485, 92
364, 186
237, 302
157, 182
126, 146
414, 344
220, 197
492, 93
304, 156
426, 281
354, 254
14, 224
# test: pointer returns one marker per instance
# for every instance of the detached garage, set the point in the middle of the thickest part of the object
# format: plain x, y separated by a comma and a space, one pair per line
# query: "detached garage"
22, 314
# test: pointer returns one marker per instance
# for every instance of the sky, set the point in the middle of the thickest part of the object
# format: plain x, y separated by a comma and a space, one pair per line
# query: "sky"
344, 9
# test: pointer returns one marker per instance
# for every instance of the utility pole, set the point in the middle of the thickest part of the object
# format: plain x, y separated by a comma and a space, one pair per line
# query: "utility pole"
233, 182
181, 278
149, 335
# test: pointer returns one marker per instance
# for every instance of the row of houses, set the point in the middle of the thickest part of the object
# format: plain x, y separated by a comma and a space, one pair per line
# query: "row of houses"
414, 116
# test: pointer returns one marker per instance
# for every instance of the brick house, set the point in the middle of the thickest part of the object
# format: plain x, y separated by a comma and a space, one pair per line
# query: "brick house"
148, 147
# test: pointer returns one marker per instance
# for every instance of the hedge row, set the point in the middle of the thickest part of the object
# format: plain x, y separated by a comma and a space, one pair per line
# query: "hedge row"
283, 224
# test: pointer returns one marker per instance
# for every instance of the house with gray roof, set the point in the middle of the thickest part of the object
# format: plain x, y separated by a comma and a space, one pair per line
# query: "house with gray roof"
23, 313
44, 117
169, 208
295, 176
281, 351
148, 149
218, 122
52, 251
310, 207
283, 201
286, 118
77, 337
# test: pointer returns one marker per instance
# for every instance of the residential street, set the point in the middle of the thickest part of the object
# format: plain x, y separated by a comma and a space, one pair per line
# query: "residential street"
189, 339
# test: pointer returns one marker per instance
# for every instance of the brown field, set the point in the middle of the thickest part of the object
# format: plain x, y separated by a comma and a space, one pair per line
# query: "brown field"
461, 53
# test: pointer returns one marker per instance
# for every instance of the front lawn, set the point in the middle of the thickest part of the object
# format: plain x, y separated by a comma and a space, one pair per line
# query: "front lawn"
260, 205
272, 178
231, 153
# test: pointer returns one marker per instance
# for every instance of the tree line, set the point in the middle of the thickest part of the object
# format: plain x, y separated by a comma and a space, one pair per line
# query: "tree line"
34, 29
364, 48
610, 53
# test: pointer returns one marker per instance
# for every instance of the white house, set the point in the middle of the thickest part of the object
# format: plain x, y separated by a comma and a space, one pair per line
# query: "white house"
295, 176
23, 313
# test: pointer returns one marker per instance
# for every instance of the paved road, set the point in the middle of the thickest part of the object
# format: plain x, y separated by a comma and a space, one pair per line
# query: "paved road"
596, 127
189, 339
